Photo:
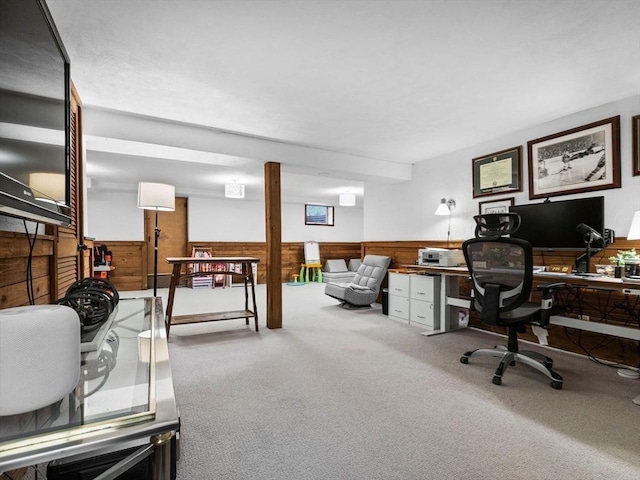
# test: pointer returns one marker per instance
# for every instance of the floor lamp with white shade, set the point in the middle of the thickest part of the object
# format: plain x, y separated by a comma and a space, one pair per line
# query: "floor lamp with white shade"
158, 197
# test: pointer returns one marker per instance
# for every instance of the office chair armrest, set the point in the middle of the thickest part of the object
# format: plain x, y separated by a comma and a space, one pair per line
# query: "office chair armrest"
547, 288
546, 309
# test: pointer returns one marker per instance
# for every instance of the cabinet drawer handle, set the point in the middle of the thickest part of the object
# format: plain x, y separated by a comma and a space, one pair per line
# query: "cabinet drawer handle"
420, 316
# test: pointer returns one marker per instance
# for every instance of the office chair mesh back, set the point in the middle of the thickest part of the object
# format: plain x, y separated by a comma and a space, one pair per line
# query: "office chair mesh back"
501, 272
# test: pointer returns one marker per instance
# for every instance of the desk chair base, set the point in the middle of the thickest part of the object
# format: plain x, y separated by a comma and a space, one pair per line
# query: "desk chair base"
534, 359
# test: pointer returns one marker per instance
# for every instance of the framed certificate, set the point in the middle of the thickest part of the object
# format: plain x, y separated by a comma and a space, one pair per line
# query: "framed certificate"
498, 173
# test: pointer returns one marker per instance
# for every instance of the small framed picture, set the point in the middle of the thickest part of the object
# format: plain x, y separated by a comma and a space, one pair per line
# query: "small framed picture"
497, 173
318, 215
635, 125
582, 159
496, 206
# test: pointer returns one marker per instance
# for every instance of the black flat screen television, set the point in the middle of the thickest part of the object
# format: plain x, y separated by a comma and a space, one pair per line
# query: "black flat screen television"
34, 115
552, 225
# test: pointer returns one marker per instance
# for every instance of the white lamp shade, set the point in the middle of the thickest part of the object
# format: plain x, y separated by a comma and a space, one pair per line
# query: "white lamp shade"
347, 199
443, 208
234, 190
156, 196
52, 185
634, 230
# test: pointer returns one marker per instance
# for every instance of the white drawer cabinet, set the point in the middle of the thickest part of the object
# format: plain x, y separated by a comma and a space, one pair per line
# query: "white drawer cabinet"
399, 308
399, 288
399, 284
415, 299
424, 298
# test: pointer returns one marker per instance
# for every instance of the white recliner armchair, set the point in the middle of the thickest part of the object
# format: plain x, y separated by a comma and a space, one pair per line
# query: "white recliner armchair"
363, 290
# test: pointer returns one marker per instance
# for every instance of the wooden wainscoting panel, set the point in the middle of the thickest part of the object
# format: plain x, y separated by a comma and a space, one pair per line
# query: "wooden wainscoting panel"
14, 255
130, 261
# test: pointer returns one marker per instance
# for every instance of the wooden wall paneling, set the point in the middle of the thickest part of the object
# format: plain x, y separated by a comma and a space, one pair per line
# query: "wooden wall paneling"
86, 259
130, 261
14, 254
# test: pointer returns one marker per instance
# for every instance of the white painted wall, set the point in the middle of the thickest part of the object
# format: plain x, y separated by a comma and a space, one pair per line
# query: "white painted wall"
404, 211
114, 216
348, 225
216, 220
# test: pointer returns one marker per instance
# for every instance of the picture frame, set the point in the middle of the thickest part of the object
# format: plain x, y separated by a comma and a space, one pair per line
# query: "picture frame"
318, 215
635, 135
583, 159
497, 173
496, 206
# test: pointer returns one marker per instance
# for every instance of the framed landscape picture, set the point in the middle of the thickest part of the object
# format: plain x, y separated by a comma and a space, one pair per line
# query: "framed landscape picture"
497, 173
496, 206
635, 124
318, 215
582, 159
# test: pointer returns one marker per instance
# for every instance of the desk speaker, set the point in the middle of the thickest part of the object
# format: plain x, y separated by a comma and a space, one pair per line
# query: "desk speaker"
39, 356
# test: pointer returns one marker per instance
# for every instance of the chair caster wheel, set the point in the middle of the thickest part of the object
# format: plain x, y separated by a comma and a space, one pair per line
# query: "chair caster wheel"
497, 380
464, 360
556, 385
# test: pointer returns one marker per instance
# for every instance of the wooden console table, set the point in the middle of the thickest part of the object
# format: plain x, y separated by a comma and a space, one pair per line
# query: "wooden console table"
246, 274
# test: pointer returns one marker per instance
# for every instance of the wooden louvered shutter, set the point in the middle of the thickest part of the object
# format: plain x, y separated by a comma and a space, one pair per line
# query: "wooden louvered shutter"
67, 260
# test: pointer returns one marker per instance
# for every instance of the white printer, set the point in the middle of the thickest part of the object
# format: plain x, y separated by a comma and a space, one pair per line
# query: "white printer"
440, 257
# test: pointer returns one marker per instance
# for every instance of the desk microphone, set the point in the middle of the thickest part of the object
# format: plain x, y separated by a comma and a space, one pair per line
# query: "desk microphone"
587, 230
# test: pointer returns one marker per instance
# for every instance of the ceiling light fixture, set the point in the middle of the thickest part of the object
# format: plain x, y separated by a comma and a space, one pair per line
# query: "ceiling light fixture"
347, 199
234, 190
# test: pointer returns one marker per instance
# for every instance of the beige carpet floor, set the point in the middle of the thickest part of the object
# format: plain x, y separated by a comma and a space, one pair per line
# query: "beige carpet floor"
339, 394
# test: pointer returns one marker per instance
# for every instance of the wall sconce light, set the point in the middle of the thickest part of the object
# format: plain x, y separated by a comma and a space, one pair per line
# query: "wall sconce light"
634, 229
445, 207
234, 190
347, 199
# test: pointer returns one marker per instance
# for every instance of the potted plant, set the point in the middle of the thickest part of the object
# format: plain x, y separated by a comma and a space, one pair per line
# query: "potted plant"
626, 261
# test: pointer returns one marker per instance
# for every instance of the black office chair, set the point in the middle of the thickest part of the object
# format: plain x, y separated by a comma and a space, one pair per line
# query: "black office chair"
501, 270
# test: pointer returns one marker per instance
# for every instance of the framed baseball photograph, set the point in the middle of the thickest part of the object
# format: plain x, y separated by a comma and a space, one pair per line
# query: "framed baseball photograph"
497, 173
582, 159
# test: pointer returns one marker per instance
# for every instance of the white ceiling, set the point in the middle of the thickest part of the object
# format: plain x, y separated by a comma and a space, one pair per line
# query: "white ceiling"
351, 90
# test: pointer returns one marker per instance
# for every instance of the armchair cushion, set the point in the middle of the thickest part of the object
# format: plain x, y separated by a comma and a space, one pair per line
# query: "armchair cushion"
336, 271
354, 264
335, 266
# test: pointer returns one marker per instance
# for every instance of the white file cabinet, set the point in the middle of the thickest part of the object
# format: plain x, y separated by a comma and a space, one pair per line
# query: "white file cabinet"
399, 297
424, 301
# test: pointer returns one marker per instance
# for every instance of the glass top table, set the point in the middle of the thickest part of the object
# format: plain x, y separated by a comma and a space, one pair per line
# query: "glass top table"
124, 396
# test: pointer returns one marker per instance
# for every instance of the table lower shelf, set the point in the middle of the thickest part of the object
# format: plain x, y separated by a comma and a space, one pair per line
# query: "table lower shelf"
214, 317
